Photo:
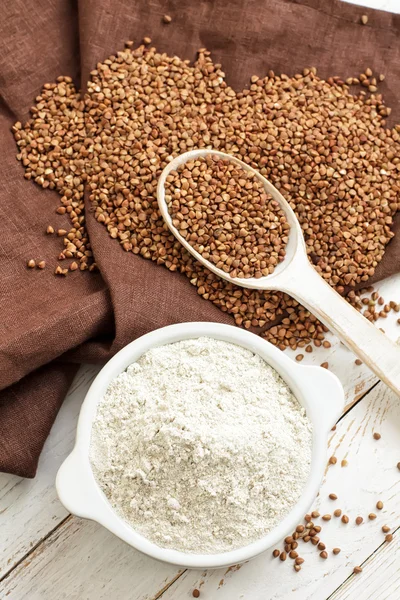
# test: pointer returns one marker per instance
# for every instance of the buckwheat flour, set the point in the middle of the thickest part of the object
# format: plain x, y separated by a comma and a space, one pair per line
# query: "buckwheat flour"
201, 446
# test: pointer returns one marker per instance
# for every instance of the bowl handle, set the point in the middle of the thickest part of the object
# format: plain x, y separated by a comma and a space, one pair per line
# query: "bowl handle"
326, 395
75, 487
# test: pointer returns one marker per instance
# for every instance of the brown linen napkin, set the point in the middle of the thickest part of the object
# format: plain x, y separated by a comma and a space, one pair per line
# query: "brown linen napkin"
88, 317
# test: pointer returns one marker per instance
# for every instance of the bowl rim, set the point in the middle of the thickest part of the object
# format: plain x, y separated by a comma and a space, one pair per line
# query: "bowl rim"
316, 388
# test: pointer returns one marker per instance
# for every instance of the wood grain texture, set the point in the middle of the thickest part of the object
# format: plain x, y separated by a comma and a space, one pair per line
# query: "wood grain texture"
371, 475
29, 509
83, 561
380, 579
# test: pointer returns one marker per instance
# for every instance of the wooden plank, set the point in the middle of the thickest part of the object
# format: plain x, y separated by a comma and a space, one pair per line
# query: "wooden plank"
371, 475
85, 563
29, 509
380, 579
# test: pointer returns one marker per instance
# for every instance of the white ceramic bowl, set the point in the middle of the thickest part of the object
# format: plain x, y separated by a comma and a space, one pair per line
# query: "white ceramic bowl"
318, 390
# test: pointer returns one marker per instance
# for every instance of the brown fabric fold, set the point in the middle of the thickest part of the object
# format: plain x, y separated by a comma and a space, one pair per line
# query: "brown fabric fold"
48, 323
23, 432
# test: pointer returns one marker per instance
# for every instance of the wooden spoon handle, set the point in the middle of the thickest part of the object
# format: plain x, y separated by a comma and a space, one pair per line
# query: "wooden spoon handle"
373, 347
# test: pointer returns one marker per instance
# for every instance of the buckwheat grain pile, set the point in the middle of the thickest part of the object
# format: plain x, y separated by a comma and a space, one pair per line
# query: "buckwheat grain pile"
224, 212
327, 150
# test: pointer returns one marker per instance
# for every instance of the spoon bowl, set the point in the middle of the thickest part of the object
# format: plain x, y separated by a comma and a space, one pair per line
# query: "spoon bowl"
297, 277
295, 238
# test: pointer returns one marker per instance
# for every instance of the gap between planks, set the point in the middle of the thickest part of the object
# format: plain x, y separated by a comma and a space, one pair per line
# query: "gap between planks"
341, 592
336, 595
168, 585
35, 547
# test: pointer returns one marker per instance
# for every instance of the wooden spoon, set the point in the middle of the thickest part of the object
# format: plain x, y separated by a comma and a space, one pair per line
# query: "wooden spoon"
296, 276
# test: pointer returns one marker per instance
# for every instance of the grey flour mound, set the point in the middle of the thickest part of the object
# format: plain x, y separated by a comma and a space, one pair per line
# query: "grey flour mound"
201, 446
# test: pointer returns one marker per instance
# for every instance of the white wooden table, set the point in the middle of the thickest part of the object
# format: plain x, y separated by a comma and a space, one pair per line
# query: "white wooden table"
47, 554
